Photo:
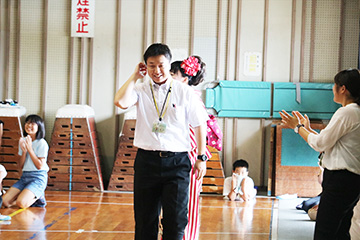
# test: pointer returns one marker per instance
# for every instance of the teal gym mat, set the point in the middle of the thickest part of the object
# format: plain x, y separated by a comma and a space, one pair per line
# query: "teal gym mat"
240, 99
244, 99
316, 99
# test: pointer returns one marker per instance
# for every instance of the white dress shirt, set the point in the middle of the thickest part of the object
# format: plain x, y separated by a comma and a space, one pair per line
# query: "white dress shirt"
340, 140
184, 109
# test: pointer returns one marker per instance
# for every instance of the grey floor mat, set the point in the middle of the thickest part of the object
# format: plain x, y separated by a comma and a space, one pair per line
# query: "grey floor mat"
293, 224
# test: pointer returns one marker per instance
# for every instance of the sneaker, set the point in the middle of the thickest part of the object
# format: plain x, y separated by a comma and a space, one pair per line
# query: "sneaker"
4, 218
41, 202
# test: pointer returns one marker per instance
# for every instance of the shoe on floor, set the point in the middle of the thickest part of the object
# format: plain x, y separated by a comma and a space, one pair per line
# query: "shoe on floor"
300, 206
41, 202
4, 218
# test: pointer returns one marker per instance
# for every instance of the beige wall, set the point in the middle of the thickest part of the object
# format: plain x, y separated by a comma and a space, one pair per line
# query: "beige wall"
44, 68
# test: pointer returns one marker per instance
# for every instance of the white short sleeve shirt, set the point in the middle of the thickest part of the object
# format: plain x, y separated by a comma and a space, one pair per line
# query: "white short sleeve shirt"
184, 109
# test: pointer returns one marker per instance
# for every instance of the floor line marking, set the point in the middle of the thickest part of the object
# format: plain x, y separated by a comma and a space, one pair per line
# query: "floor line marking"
97, 203
51, 224
269, 208
47, 194
62, 231
16, 212
131, 204
230, 233
274, 221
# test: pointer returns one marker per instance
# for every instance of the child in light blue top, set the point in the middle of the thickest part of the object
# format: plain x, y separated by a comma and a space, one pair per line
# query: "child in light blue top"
41, 149
33, 149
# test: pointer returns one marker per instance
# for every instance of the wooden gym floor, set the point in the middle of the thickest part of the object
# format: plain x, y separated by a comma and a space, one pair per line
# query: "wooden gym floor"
109, 215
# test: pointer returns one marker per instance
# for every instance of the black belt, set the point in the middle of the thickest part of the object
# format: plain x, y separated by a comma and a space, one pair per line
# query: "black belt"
162, 154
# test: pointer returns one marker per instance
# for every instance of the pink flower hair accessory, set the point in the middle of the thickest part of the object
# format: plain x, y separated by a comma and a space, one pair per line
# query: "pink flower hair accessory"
191, 66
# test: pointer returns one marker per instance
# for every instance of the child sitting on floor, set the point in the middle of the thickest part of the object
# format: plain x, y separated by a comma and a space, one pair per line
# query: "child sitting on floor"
239, 186
33, 151
3, 174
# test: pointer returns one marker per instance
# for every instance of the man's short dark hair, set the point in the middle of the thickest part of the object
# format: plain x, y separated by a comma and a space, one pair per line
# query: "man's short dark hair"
157, 49
240, 163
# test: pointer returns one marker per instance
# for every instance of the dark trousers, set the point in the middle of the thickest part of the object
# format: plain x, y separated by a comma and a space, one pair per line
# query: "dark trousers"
161, 181
341, 190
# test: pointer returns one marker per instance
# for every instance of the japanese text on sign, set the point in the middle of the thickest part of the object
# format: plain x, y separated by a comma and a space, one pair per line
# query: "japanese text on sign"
82, 18
252, 64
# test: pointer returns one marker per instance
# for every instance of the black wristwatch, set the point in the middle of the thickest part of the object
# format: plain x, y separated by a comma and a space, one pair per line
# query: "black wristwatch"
202, 157
296, 129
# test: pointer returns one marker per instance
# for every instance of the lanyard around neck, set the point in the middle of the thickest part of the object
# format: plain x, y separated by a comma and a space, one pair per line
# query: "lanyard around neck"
166, 102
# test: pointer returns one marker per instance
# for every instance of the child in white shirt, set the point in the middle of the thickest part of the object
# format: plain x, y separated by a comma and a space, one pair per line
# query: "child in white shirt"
239, 186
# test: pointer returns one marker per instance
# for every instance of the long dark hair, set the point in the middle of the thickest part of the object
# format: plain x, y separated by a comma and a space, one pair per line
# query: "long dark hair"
193, 80
40, 122
351, 80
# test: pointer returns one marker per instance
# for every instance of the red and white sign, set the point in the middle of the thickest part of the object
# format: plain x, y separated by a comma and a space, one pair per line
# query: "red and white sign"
82, 18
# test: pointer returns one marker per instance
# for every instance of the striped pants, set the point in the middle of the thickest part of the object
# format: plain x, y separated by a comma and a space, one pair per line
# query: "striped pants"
192, 229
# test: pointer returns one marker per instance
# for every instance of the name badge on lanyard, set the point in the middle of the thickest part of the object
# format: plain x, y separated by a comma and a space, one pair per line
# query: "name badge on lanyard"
159, 126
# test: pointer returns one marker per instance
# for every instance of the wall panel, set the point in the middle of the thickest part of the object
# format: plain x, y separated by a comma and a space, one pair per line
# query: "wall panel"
351, 36
249, 143
104, 73
327, 31
297, 41
252, 33
58, 61
178, 28
279, 39
205, 33
13, 5
31, 64
2, 47
306, 44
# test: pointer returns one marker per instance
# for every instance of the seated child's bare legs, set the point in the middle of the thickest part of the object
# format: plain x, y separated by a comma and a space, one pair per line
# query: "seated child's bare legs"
15, 197
3, 174
232, 195
248, 190
9, 198
25, 199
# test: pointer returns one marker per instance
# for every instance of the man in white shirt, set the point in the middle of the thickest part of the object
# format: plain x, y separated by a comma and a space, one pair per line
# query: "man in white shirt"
165, 109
